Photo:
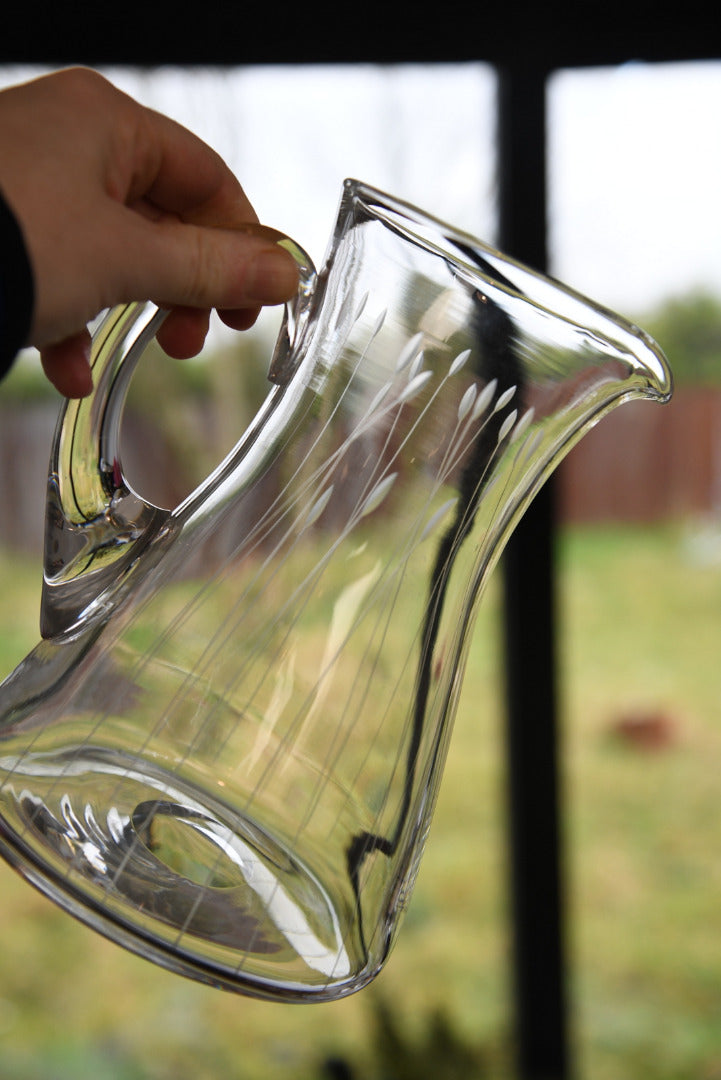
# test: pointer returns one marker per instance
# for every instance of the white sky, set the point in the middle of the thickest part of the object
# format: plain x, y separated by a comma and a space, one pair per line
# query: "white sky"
634, 157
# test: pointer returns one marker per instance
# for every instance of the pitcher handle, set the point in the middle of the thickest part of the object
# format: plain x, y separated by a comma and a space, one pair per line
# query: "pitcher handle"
96, 524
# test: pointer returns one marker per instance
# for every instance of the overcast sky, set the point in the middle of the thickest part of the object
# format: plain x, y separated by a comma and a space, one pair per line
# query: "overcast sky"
635, 153
634, 157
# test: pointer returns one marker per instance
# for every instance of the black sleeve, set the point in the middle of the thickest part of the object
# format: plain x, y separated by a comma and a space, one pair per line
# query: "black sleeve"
16, 288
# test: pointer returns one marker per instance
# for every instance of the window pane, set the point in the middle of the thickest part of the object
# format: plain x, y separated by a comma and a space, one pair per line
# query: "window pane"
292, 135
635, 154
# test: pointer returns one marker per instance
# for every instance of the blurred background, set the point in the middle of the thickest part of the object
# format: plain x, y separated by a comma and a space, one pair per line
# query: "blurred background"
634, 154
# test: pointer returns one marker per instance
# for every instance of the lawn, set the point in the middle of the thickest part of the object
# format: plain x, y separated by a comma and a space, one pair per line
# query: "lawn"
641, 756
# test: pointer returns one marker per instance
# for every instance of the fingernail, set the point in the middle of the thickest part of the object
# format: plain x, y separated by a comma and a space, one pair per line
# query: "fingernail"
272, 276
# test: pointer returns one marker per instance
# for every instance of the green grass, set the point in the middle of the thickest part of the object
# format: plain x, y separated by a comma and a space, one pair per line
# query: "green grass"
641, 636
640, 633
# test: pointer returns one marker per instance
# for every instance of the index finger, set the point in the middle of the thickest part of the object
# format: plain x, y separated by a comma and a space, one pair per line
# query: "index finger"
177, 173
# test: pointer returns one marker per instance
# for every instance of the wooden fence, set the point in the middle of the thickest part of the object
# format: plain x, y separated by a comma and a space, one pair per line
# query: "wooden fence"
643, 463
647, 463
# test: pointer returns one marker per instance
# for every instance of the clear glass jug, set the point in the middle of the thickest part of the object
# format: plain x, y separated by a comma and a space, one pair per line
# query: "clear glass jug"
225, 750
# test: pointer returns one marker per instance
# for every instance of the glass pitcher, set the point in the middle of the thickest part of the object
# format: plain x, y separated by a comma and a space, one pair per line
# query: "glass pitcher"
225, 750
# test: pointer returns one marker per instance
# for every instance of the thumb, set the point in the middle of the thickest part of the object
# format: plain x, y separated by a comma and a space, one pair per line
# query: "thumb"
178, 264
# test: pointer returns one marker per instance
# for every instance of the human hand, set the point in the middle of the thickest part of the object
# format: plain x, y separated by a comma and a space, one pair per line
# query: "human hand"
119, 203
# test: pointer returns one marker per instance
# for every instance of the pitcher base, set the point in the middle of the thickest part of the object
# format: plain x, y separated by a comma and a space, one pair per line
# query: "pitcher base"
195, 885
